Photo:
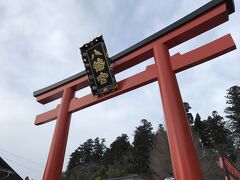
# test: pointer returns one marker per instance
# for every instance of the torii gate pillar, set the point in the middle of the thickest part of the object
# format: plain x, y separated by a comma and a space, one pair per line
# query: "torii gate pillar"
179, 135
53, 169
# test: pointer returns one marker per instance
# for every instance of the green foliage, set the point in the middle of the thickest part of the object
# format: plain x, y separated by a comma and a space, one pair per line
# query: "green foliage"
87, 152
149, 153
143, 137
88, 171
215, 136
233, 112
198, 128
189, 115
118, 149
122, 167
74, 160
93, 161
99, 149
118, 158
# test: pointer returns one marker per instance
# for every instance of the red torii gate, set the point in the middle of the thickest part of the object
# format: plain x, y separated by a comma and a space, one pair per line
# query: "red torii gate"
184, 159
231, 171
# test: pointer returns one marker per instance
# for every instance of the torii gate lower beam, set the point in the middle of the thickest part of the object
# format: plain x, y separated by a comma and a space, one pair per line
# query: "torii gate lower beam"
184, 158
179, 63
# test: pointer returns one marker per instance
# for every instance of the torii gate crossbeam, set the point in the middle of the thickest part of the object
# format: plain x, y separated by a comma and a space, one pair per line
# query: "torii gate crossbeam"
185, 162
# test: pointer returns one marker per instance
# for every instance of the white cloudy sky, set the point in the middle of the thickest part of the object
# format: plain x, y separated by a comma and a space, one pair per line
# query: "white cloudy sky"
39, 43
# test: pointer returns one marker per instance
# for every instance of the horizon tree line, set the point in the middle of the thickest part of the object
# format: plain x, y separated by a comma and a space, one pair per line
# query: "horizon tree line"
149, 156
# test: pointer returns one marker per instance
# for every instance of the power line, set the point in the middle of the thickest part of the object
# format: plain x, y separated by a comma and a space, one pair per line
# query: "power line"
30, 170
21, 157
22, 165
22, 162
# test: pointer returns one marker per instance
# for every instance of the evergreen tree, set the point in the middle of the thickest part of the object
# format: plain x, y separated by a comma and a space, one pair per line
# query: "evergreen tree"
87, 151
188, 114
118, 158
233, 112
99, 149
85, 161
143, 137
197, 124
205, 144
215, 136
74, 160
118, 148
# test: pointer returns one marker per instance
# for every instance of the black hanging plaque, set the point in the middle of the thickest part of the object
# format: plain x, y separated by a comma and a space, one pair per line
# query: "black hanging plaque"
98, 66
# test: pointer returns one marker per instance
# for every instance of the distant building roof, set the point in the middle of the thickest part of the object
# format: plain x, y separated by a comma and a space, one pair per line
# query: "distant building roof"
6, 172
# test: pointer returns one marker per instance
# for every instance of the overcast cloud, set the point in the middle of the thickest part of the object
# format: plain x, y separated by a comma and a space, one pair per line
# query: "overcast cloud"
39, 45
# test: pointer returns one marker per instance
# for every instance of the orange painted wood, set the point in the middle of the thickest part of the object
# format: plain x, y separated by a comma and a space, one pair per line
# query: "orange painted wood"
47, 116
179, 63
131, 83
143, 78
53, 169
196, 27
185, 163
203, 23
184, 158
58, 92
202, 54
